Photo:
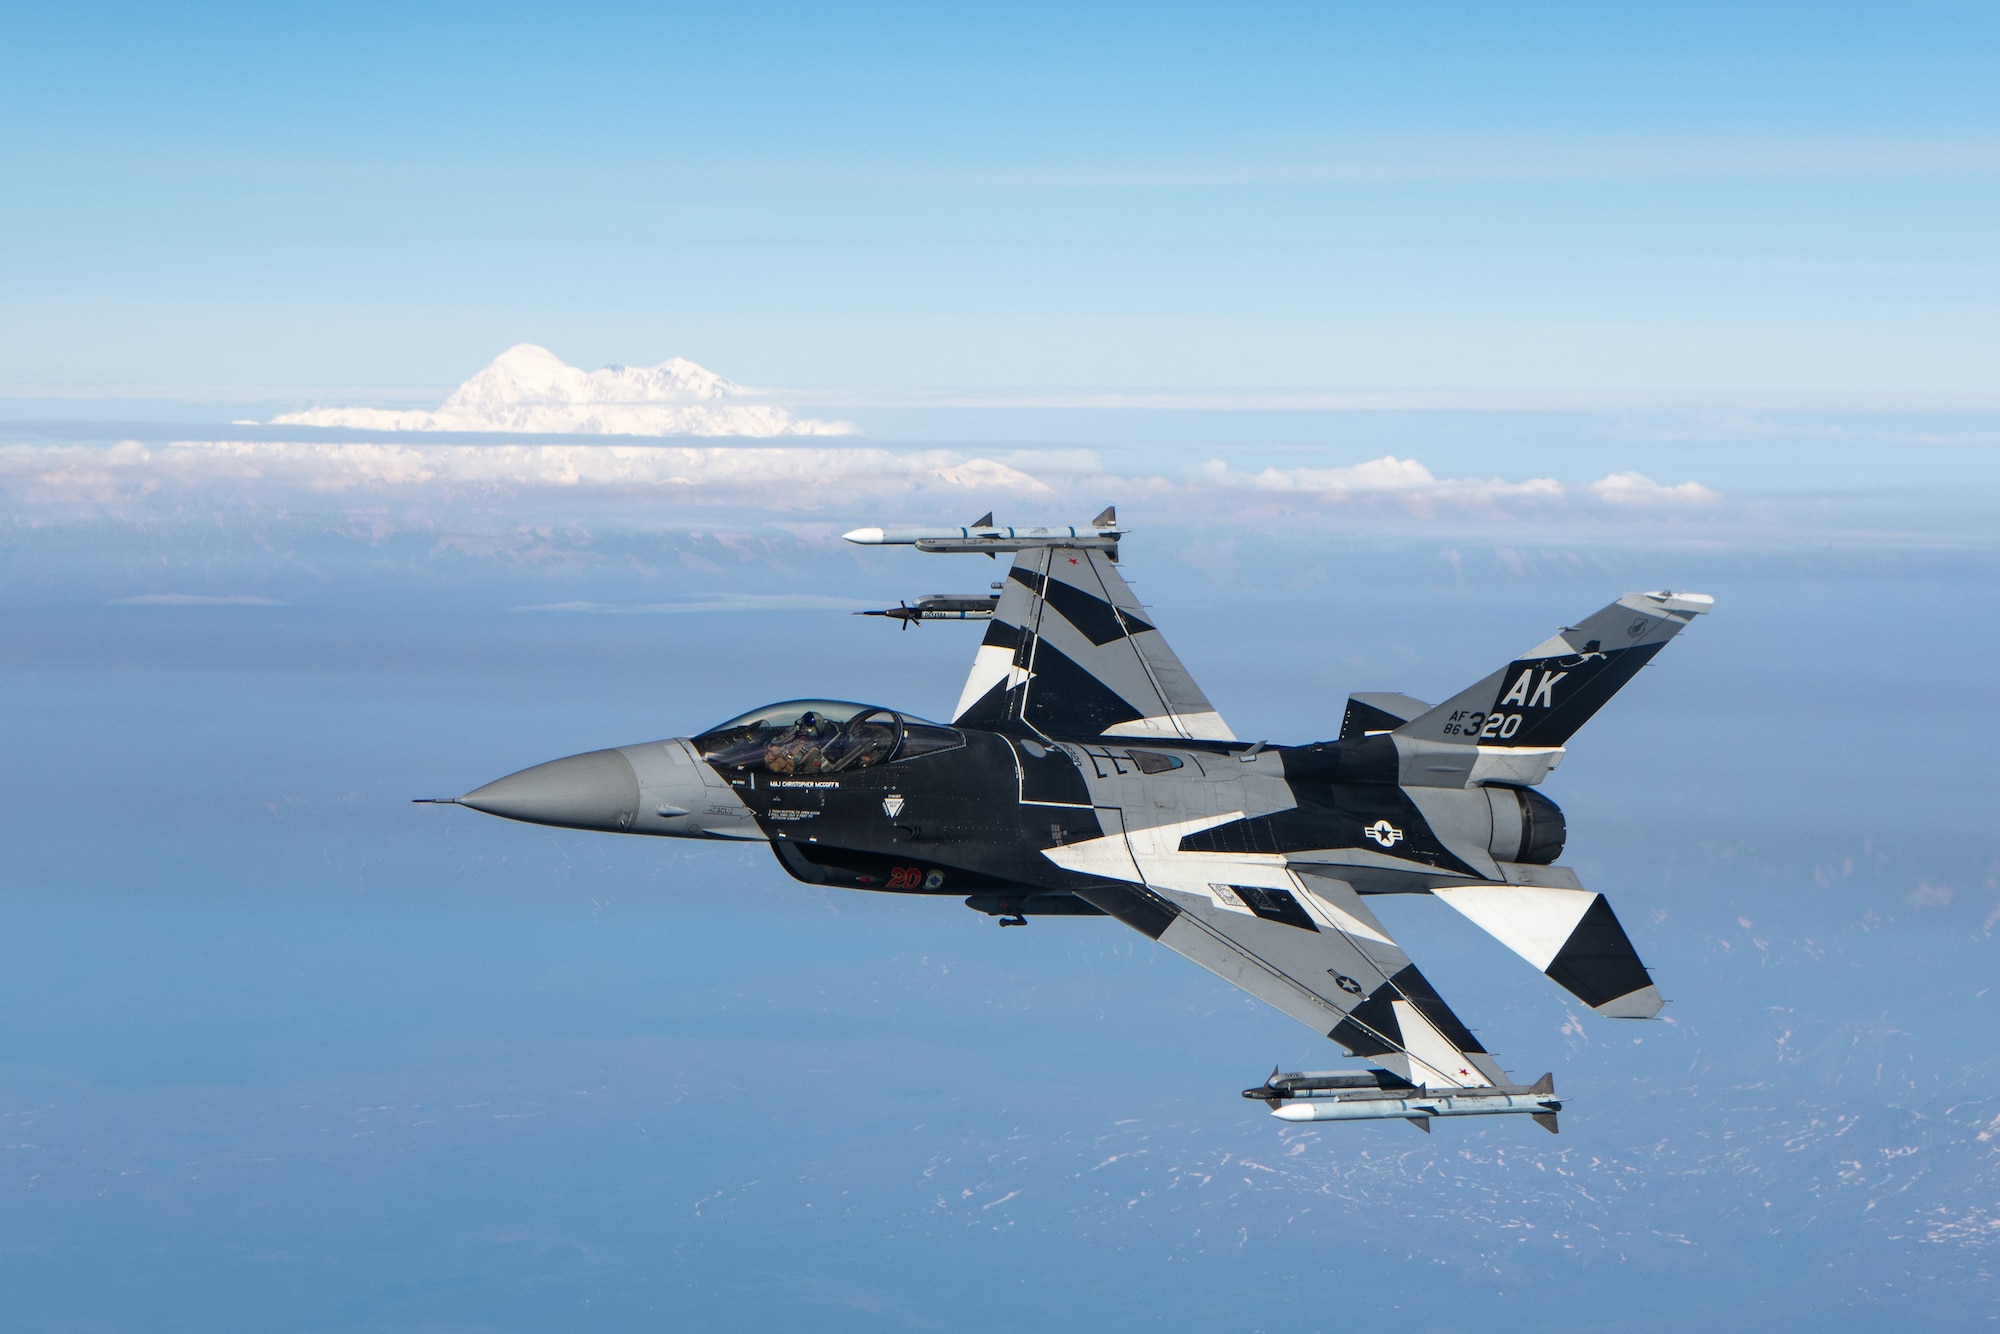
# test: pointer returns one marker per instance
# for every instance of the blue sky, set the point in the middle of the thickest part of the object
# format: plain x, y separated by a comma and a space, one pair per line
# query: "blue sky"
1688, 200
1398, 337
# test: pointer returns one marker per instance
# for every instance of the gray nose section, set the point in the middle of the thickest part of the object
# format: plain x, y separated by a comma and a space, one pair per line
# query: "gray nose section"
596, 790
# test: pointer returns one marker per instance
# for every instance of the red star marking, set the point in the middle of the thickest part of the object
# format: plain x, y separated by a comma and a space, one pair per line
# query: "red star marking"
1072, 560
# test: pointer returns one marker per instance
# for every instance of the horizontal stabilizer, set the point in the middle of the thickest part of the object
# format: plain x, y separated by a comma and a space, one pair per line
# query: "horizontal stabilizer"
1571, 935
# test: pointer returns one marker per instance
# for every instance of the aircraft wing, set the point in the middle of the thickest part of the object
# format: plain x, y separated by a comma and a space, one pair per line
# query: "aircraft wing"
1071, 653
1305, 944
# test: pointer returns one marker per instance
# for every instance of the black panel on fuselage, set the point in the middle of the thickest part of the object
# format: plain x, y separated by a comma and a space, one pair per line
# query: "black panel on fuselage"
1331, 815
958, 811
978, 818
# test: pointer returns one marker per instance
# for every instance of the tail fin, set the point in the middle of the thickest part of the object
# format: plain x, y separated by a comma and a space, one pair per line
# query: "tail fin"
1519, 718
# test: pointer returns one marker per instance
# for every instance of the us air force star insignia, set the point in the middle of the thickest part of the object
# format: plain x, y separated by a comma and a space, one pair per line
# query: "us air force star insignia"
892, 805
1345, 983
1384, 833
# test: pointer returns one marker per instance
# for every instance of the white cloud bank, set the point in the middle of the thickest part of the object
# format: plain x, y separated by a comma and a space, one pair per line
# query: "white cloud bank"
1387, 478
530, 389
1635, 488
777, 478
382, 487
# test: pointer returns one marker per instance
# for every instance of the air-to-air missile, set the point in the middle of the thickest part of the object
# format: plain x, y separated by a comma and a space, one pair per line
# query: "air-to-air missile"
1376, 1095
1102, 535
942, 607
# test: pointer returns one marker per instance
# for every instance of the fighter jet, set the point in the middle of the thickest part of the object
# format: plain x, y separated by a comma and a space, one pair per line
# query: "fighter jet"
1084, 773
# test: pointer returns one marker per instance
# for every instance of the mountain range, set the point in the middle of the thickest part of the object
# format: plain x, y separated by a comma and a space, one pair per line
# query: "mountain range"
529, 389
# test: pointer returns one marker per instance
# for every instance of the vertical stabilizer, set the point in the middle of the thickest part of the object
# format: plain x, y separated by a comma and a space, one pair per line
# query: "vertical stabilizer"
1512, 726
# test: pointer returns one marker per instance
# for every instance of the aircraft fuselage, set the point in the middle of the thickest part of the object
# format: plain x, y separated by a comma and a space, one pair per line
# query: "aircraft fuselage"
1025, 825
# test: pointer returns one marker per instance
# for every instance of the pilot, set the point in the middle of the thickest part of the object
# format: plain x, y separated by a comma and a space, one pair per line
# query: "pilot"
800, 748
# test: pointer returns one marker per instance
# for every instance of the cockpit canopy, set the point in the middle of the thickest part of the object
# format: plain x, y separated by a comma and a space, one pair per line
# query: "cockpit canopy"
821, 736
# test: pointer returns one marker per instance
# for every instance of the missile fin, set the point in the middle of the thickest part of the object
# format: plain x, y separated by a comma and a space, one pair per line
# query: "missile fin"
984, 522
1546, 1085
1422, 1123
1546, 1120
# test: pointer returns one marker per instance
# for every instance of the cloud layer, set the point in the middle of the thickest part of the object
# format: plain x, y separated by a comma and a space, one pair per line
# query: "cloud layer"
774, 479
778, 479
469, 496
1634, 488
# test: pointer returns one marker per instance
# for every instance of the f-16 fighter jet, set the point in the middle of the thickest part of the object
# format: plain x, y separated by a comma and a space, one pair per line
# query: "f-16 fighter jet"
1084, 773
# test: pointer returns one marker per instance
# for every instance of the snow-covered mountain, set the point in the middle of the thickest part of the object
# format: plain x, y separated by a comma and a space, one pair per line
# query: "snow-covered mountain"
529, 388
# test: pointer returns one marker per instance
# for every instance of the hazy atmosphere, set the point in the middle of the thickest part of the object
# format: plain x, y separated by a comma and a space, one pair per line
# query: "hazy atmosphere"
390, 401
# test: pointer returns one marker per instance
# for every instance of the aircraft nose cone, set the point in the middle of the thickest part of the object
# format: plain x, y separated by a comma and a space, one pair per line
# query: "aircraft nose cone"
595, 790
